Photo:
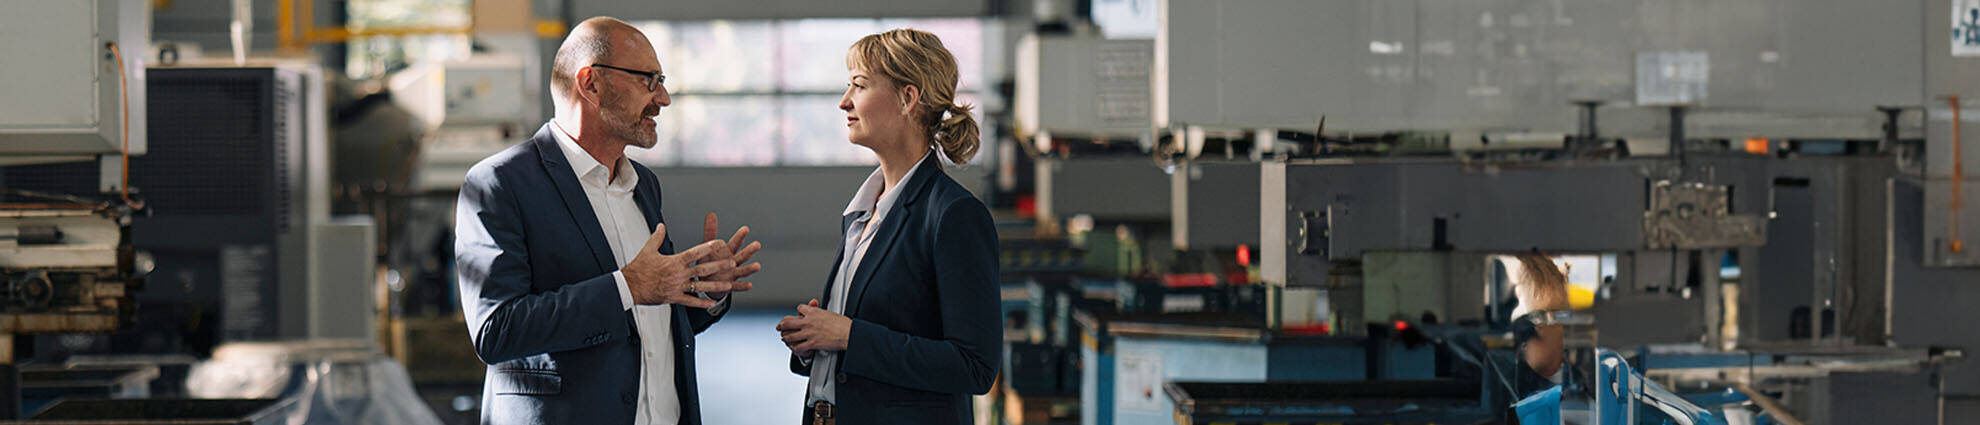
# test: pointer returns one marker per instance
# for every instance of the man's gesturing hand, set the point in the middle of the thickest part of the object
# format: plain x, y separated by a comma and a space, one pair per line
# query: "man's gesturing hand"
654, 278
736, 253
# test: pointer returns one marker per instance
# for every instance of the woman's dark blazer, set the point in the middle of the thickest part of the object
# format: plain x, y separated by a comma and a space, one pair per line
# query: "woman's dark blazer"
926, 334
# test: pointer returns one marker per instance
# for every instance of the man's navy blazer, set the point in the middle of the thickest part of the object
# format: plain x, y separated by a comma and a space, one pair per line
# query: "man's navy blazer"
542, 307
926, 333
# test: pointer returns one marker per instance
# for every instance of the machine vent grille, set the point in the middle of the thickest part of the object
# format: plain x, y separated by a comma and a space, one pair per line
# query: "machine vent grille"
210, 147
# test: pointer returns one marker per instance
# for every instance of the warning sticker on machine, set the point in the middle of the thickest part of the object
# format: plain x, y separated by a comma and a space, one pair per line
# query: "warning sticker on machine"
1966, 27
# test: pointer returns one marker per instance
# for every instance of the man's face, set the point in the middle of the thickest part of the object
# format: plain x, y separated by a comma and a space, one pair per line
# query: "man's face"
625, 104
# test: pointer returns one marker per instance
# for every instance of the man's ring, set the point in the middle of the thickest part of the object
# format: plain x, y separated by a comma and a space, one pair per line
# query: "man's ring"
691, 287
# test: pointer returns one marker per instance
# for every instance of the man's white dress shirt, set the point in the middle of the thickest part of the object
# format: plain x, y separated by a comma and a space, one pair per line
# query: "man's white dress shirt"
625, 230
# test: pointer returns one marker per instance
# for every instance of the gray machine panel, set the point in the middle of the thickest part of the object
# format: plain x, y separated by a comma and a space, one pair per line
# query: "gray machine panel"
1823, 242
1941, 218
1482, 208
1380, 65
1929, 306
71, 102
1948, 75
1825, 249
1082, 86
1130, 189
1336, 213
1214, 203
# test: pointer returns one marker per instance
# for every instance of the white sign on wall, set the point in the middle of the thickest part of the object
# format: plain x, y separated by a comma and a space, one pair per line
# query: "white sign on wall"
1966, 27
1672, 78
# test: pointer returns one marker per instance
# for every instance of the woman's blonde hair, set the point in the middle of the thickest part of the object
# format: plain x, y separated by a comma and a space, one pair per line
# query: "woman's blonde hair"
916, 58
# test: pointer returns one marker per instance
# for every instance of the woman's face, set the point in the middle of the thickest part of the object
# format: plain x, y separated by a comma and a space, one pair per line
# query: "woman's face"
876, 110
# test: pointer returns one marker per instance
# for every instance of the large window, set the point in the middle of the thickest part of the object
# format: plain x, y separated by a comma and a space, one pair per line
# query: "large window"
375, 57
757, 93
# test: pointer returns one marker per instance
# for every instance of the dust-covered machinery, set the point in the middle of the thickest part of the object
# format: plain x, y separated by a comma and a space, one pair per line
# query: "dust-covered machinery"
65, 259
68, 267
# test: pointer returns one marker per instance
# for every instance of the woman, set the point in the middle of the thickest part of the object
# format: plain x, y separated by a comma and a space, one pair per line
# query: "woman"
909, 326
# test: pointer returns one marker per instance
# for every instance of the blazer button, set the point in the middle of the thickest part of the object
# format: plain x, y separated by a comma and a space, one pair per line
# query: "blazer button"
628, 397
841, 377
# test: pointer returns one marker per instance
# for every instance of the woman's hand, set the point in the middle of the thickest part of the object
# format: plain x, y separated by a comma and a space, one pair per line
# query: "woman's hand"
814, 329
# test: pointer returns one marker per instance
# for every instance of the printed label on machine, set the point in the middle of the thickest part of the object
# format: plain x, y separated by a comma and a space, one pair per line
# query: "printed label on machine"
1138, 382
1966, 27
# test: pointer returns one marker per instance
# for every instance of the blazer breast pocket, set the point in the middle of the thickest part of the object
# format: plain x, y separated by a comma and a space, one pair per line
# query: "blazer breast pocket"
527, 382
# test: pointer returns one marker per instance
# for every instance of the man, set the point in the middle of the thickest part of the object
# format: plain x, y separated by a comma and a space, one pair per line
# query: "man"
582, 315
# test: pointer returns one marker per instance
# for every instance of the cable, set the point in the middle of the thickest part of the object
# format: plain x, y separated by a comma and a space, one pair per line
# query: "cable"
124, 106
1958, 173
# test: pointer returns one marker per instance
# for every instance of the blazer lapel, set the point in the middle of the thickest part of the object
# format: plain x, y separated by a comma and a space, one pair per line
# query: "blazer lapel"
890, 230
572, 192
647, 196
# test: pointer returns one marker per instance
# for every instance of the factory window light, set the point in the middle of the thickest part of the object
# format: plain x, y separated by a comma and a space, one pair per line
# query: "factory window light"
766, 92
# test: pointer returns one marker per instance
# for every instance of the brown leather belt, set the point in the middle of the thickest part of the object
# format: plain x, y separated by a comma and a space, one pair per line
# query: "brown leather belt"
821, 413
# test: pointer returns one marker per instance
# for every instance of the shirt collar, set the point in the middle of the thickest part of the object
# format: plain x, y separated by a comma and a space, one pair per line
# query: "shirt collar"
587, 168
869, 198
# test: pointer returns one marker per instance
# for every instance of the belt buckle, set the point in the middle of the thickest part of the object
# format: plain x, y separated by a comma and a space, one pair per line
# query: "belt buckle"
822, 410
821, 413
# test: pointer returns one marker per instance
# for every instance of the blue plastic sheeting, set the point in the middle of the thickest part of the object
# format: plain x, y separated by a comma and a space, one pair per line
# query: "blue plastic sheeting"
1542, 408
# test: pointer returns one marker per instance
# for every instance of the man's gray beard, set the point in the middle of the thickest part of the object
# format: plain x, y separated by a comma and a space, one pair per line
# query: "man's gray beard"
643, 138
632, 132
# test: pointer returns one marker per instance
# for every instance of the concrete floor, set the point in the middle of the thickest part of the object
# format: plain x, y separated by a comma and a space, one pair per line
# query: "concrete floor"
745, 374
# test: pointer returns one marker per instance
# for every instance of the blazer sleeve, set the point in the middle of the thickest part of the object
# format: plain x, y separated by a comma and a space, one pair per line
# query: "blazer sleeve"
966, 359
504, 318
800, 366
701, 319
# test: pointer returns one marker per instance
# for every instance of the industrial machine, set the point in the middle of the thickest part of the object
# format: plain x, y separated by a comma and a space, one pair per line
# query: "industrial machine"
66, 257
1728, 200
151, 213
1082, 86
479, 106
249, 234
1081, 115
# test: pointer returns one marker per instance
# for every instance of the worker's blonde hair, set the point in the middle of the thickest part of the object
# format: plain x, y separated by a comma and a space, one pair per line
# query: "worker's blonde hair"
1545, 286
917, 58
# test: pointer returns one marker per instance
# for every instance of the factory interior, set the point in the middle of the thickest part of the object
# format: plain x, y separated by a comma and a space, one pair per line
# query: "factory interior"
1206, 212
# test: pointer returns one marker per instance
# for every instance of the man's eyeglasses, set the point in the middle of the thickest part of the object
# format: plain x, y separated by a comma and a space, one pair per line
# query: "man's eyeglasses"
653, 79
